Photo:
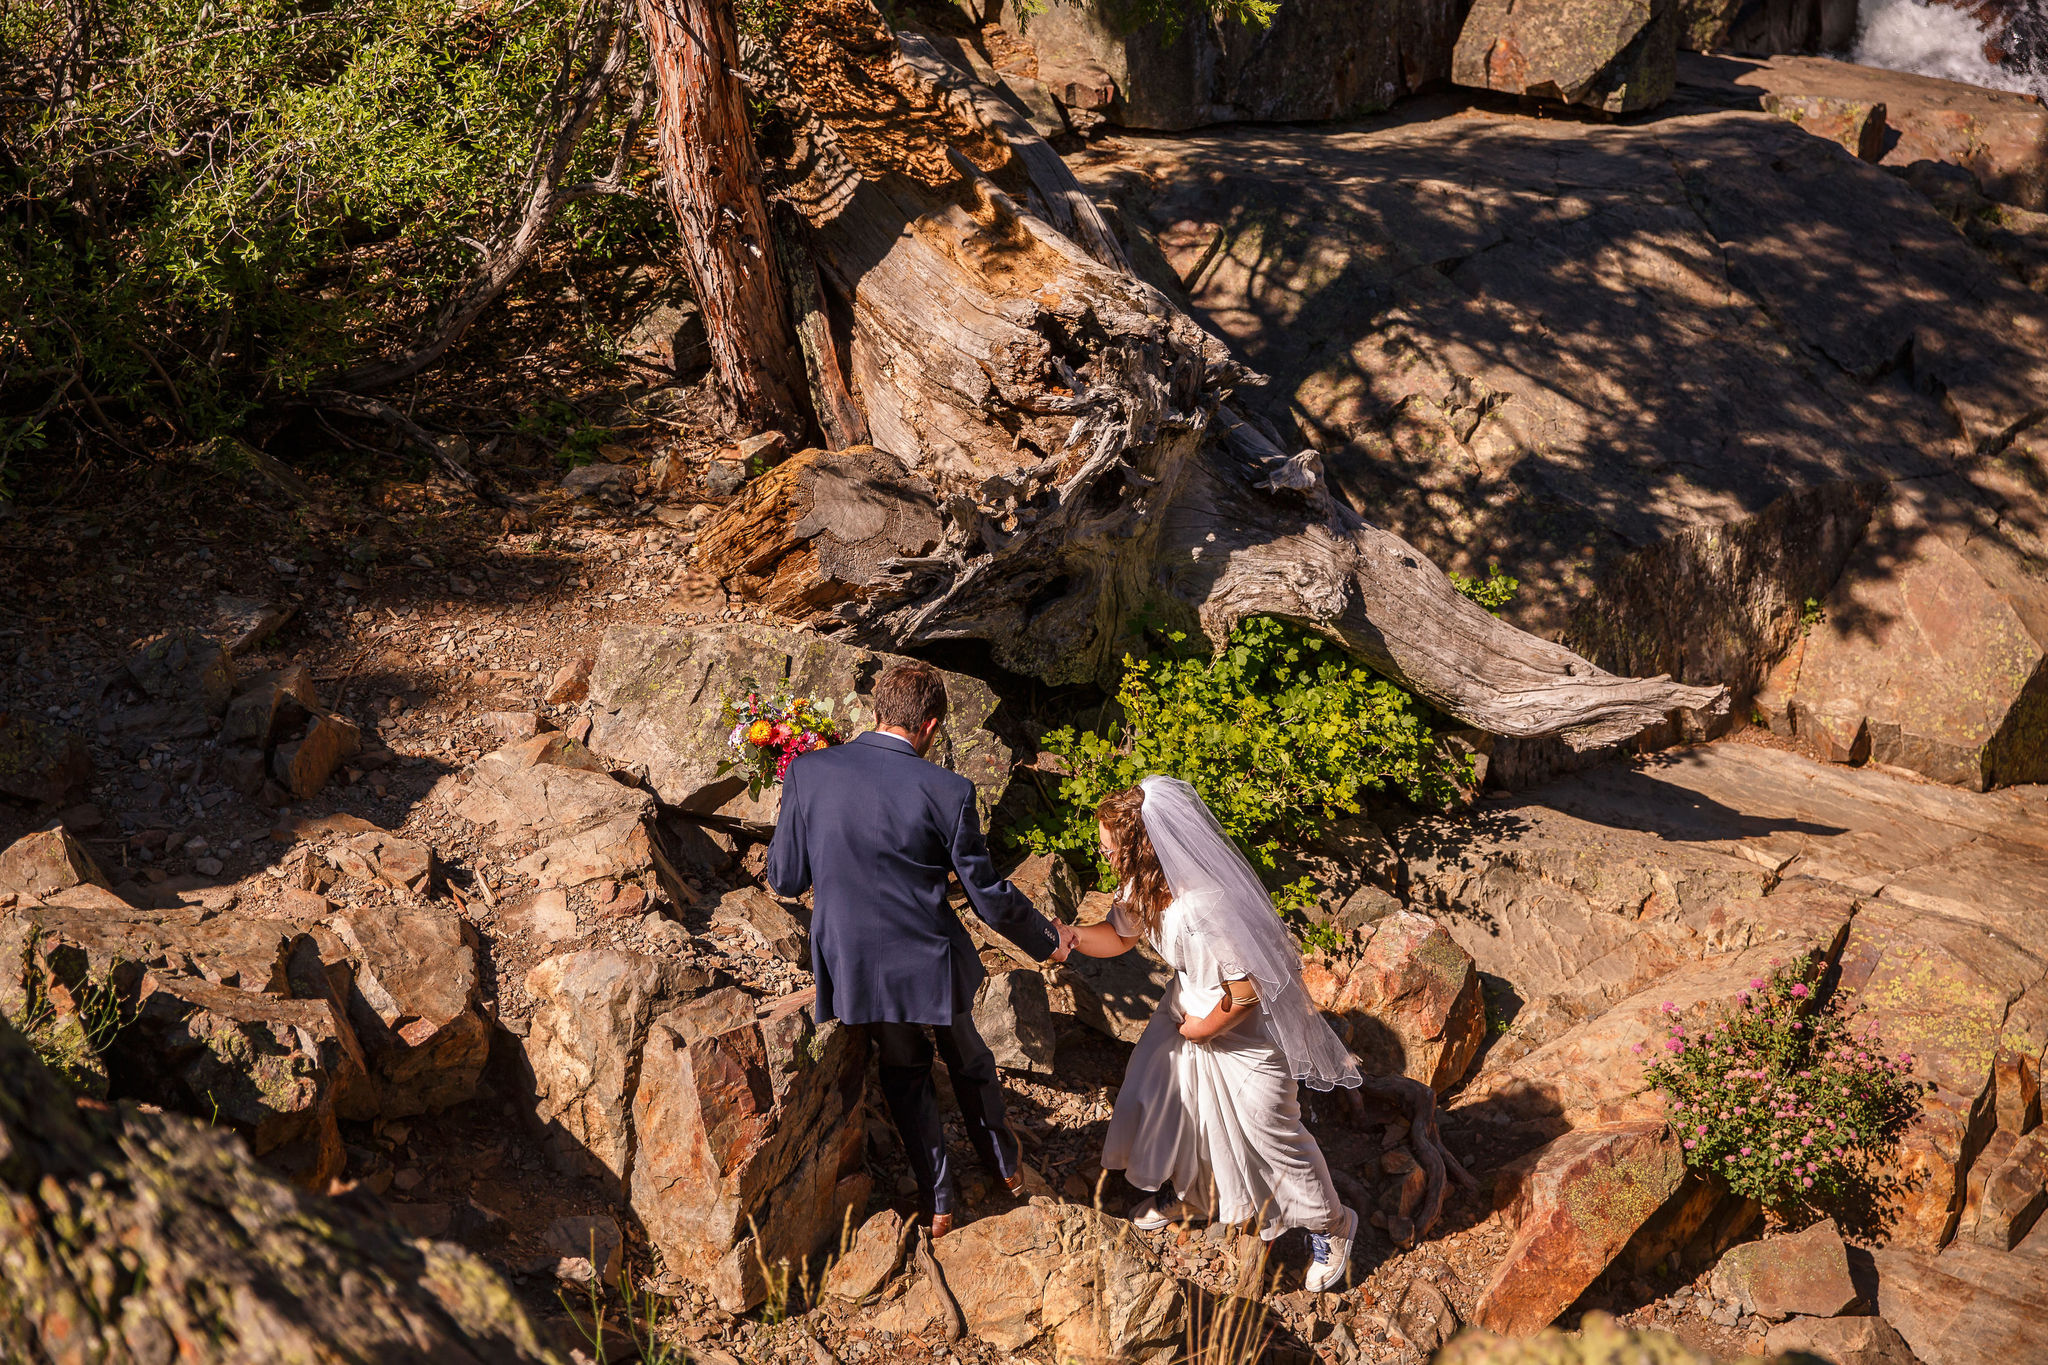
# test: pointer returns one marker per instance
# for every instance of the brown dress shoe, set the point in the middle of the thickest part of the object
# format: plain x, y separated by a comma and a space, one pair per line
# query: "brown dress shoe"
1015, 1184
942, 1223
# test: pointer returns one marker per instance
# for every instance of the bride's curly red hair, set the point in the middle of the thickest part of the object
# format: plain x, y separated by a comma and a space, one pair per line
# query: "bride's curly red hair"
1133, 859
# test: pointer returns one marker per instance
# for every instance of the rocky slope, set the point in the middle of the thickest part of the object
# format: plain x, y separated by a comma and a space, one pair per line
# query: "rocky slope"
404, 862
145, 1237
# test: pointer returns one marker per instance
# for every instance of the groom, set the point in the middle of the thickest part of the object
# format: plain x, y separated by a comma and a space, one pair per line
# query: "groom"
875, 829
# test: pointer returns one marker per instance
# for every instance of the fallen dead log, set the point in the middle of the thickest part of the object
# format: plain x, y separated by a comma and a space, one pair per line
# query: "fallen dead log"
1055, 453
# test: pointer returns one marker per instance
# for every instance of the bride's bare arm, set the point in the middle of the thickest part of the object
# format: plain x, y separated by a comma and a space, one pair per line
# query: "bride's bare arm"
1099, 940
1240, 998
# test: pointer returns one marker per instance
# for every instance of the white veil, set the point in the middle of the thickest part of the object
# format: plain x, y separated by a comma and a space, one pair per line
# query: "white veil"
1227, 905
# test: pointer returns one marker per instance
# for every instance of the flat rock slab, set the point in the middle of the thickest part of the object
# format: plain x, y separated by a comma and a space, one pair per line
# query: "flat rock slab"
1980, 858
1996, 135
1593, 1073
1966, 1306
658, 693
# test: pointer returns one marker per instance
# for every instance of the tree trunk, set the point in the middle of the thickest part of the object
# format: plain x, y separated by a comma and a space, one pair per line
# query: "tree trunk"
1061, 455
713, 181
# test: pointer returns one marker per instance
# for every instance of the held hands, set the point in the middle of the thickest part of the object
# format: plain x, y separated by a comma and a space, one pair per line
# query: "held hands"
1067, 938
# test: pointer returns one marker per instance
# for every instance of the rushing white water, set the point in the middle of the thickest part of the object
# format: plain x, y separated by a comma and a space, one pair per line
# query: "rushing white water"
1935, 40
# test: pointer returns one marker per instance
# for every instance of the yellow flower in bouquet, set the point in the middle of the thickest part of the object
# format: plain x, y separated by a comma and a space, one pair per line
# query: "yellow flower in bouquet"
760, 732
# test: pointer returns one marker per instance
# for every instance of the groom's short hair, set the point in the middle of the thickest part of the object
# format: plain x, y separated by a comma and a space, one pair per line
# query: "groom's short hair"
909, 695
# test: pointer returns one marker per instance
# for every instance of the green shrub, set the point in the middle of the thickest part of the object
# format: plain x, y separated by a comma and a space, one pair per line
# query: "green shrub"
1787, 1101
1280, 733
1494, 591
243, 197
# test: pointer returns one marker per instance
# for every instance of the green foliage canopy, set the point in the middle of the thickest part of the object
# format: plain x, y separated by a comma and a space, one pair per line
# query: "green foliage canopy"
204, 202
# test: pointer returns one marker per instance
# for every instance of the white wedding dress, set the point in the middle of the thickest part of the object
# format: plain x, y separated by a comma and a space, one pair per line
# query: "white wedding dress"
1220, 1120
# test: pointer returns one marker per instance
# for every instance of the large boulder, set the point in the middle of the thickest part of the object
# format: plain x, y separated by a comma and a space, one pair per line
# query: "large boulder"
1931, 654
1318, 59
268, 1067
1965, 1306
1646, 368
1944, 992
1614, 55
43, 865
2013, 1189
1059, 1272
591, 1011
220, 1263
1406, 1001
750, 1137
551, 795
1804, 1274
1574, 1204
1013, 1014
415, 1004
657, 694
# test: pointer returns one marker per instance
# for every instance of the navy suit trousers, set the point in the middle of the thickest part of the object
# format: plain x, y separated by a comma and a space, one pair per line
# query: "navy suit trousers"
906, 1065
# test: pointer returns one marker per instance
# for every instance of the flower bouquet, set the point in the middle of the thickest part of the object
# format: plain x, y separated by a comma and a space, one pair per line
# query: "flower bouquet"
769, 732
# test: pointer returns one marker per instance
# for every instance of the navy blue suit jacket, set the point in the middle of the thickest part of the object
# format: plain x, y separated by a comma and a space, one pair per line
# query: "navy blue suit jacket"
873, 829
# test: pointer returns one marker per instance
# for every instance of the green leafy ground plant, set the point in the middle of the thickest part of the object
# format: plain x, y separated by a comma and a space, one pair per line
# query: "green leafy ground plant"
1493, 592
1280, 733
1793, 1103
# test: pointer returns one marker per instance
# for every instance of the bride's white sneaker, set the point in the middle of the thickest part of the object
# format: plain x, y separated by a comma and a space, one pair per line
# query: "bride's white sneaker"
1154, 1214
1332, 1253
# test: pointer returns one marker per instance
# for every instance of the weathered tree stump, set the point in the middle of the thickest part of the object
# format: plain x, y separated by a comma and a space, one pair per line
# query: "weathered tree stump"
1060, 445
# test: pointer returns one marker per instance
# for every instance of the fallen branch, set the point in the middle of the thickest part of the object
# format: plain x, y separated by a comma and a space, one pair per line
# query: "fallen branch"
1068, 432
362, 405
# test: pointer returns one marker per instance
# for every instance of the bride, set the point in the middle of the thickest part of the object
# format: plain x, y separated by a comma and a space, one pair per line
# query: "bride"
1209, 1104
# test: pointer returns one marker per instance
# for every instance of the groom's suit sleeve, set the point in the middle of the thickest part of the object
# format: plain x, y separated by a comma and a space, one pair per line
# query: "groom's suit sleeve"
1002, 907
788, 872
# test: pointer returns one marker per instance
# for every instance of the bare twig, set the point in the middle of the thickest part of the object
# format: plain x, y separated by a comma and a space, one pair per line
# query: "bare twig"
364, 406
